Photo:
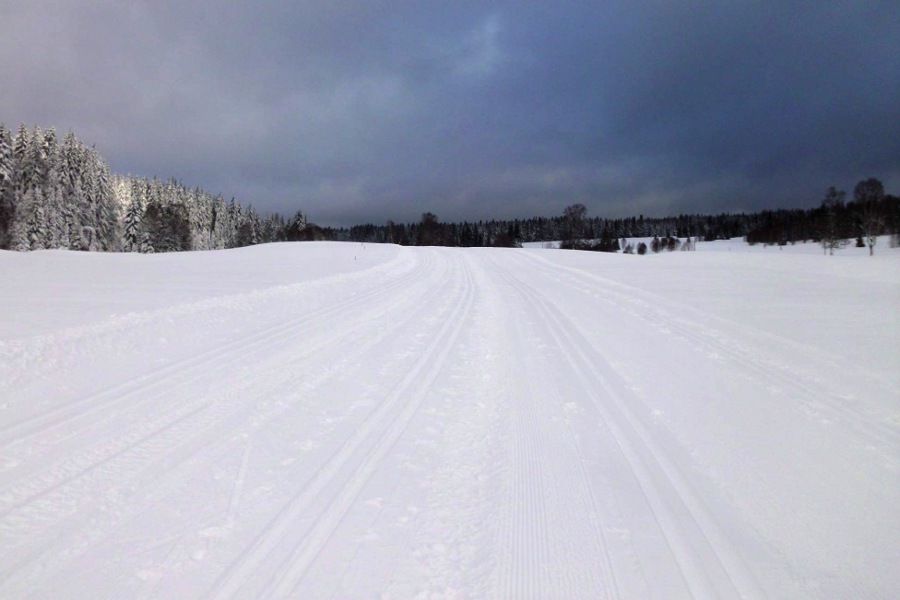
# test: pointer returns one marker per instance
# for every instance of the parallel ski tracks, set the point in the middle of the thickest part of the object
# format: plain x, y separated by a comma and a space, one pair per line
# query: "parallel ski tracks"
811, 394
361, 455
222, 358
529, 537
163, 382
179, 460
93, 471
183, 456
708, 564
537, 567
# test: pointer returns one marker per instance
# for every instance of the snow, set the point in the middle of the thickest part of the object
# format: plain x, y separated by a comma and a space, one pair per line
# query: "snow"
322, 420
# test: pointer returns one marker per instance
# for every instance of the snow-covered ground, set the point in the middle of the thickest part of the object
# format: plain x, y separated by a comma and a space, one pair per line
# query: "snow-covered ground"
338, 421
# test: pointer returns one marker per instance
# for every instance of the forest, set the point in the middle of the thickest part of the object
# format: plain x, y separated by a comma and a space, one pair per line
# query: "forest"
62, 194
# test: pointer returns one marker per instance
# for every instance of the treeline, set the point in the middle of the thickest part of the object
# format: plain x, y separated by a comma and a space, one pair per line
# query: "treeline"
869, 214
62, 195
55, 195
515, 232
166, 216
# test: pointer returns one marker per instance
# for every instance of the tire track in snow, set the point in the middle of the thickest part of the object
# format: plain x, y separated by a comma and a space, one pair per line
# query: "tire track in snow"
709, 566
374, 437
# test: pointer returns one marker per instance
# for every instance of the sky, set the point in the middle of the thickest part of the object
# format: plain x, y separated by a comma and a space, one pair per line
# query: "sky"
368, 110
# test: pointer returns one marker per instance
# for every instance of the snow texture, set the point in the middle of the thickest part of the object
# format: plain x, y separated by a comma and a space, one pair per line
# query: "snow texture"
328, 420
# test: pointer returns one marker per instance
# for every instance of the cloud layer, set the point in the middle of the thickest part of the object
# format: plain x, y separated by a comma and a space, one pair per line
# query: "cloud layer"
368, 111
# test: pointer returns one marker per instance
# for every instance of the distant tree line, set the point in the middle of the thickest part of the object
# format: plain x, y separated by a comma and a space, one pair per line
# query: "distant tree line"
870, 214
62, 195
585, 232
834, 223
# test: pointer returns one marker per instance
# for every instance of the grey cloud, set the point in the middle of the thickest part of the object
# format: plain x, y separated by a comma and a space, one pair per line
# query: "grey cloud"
367, 111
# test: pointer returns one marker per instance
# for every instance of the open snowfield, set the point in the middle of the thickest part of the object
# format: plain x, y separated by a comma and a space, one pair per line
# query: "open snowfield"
329, 420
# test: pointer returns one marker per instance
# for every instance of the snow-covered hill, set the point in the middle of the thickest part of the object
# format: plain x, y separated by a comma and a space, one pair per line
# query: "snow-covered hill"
347, 421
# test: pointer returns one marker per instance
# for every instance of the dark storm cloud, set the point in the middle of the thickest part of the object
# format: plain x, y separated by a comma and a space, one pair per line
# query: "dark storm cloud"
367, 111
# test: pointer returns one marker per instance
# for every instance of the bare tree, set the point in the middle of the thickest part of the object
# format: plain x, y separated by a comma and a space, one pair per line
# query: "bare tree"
833, 205
573, 222
868, 194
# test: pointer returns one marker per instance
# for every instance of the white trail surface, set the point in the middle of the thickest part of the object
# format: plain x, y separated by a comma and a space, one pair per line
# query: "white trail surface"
348, 421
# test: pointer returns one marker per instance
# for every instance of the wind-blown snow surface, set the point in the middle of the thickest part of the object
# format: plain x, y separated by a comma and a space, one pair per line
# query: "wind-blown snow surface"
339, 421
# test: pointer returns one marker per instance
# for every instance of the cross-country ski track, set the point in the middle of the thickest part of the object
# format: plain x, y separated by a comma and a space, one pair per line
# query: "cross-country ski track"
328, 420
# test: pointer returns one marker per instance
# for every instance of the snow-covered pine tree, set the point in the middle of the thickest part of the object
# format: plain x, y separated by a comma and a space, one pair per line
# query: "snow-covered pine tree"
21, 142
200, 213
7, 208
293, 231
54, 197
49, 151
146, 244
255, 226
132, 233
248, 231
66, 218
108, 219
121, 186
273, 228
34, 166
19, 227
6, 167
219, 223
85, 213
36, 219
235, 217
57, 225
73, 208
72, 163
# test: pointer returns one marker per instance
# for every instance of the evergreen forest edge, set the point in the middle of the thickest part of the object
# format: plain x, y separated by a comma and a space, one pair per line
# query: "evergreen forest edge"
63, 195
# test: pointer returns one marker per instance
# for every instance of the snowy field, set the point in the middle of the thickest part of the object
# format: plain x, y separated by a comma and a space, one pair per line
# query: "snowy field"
328, 420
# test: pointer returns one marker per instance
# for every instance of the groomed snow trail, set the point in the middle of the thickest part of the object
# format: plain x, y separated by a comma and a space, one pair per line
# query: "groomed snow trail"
445, 423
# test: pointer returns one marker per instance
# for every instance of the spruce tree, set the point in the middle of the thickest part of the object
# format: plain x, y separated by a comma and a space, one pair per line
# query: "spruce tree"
36, 222
7, 208
132, 233
6, 166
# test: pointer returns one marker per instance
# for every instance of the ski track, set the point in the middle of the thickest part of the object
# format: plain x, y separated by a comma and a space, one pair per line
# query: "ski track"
446, 424
151, 389
815, 398
693, 539
535, 546
164, 462
377, 435
220, 358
